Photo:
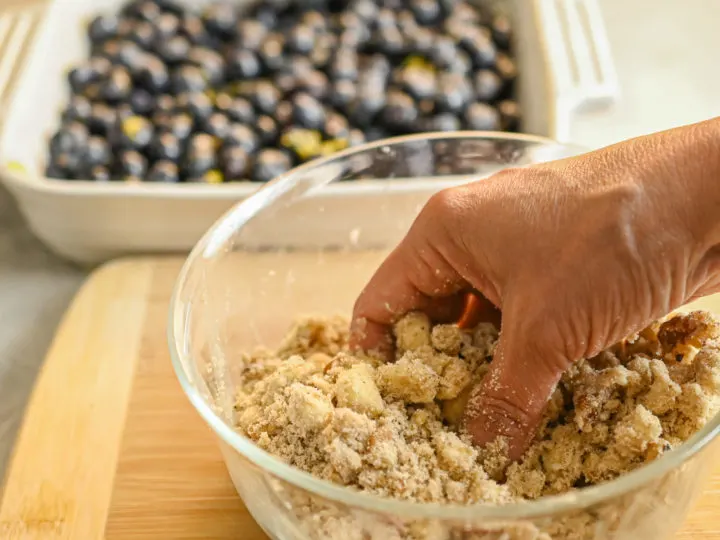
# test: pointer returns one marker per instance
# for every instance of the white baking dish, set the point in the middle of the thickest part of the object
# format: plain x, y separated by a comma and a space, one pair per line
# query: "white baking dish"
564, 64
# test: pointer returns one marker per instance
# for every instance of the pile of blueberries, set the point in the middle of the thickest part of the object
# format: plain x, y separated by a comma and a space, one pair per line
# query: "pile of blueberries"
170, 94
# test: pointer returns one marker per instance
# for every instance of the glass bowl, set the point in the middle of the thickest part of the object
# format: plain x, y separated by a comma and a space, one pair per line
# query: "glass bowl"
306, 243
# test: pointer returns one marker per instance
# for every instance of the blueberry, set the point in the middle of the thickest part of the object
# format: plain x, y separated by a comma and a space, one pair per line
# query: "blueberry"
129, 55
100, 173
400, 112
454, 92
481, 117
356, 137
269, 164
406, 22
267, 130
153, 75
418, 82
251, 34
507, 69
235, 163
315, 20
217, 125
265, 13
188, 78
65, 165
143, 34
210, 62
427, 12
117, 86
79, 109
196, 104
134, 132
103, 27
165, 145
367, 103
70, 138
315, 83
80, 77
192, 27
501, 31
237, 109
220, 19
284, 113
180, 125
301, 39
97, 151
307, 111
286, 83
200, 155
165, 103
487, 85
242, 136
336, 126
265, 97
242, 64
376, 133
142, 102
420, 40
131, 164
174, 50
444, 53
271, 51
123, 111
385, 18
145, 10
344, 65
480, 48
444, 122
367, 10
342, 93
389, 41
509, 114
164, 171
166, 26
102, 119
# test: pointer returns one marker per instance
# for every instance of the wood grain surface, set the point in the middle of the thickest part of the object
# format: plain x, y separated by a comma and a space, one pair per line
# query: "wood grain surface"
110, 447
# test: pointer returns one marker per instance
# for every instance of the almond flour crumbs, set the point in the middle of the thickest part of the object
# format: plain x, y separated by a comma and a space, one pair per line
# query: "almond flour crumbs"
392, 429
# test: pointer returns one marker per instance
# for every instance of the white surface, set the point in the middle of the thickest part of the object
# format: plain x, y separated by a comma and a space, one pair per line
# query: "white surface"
665, 52
90, 222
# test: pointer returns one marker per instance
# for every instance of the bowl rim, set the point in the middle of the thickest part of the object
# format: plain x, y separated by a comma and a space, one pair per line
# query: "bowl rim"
553, 504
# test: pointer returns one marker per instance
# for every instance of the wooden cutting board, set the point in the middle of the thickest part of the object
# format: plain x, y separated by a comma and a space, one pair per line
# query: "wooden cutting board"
110, 448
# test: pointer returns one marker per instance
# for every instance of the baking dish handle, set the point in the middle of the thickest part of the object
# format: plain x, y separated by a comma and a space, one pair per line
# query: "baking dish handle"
18, 26
578, 54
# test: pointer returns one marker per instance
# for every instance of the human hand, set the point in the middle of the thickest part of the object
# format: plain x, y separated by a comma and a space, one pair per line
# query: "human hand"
577, 254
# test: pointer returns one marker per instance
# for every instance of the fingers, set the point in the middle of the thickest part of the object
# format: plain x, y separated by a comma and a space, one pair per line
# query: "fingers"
510, 400
413, 277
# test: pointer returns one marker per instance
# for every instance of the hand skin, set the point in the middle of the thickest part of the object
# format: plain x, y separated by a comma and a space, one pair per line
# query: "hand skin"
577, 254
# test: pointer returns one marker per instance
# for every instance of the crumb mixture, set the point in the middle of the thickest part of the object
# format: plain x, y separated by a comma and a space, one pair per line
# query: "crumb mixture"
392, 429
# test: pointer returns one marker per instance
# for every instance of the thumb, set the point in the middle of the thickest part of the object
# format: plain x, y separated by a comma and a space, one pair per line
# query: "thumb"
511, 399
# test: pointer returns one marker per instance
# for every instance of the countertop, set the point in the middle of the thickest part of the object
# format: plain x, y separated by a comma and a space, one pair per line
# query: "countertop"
664, 52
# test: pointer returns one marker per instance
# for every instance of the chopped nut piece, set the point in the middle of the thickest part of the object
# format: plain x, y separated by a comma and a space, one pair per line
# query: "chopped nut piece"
413, 331
356, 389
454, 455
455, 377
637, 430
410, 380
447, 338
308, 408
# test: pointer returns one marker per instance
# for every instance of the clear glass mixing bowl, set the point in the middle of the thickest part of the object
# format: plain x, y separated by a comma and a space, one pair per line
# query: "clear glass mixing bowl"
306, 243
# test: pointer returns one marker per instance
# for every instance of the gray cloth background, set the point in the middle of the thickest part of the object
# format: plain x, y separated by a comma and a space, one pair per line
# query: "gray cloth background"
35, 289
